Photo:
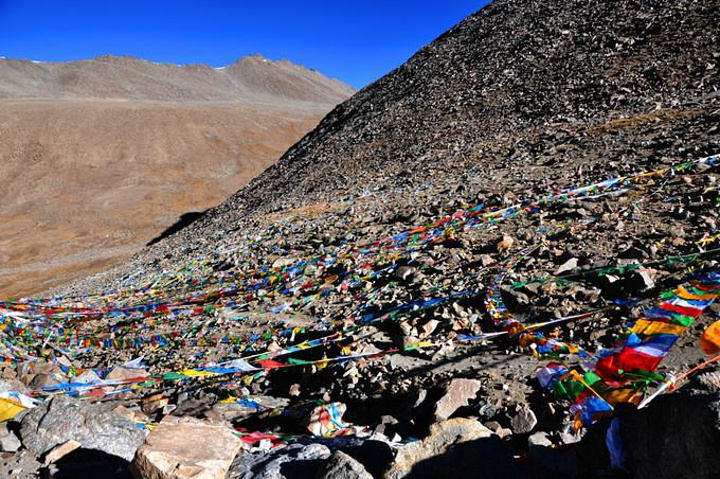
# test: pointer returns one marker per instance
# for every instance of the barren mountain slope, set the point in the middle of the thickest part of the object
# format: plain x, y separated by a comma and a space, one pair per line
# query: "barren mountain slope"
100, 157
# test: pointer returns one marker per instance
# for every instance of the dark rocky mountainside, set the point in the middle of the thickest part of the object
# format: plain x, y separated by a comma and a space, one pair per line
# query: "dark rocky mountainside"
496, 261
521, 83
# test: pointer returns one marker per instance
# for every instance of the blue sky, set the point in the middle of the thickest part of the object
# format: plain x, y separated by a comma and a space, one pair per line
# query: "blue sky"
353, 40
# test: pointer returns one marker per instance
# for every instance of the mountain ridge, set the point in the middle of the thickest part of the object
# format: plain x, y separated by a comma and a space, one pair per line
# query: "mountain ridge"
127, 78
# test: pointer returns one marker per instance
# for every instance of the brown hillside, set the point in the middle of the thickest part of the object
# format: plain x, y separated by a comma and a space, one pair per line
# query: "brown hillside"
91, 176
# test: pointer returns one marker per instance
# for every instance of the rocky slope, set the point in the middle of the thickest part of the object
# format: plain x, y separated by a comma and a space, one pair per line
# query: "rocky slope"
101, 156
536, 180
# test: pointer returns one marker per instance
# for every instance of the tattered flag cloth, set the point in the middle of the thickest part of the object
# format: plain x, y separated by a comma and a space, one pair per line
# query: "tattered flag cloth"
326, 420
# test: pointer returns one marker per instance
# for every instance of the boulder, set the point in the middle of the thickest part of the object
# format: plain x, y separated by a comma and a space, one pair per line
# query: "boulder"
42, 374
87, 377
342, 466
539, 438
294, 461
442, 437
404, 273
186, 450
457, 394
153, 403
93, 426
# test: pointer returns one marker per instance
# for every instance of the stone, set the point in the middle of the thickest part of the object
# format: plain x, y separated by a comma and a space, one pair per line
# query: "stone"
131, 414
87, 377
294, 461
501, 432
7, 385
539, 438
711, 380
443, 436
42, 374
676, 435
61, 450
566, 267
42, 380
9, 442
639, 282
236, 411
505, 244
486, 260
514, 298
94, 426
154, 403
457, 394
524, 421
283, 262
428, 328
121, 373
188, 450
342, 466
404, 273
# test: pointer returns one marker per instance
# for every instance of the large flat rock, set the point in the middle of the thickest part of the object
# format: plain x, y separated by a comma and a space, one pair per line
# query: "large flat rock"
188, 450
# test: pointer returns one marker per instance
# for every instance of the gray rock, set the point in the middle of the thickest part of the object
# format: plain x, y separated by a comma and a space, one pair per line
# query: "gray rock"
711, 380
13, 385
342, 466
95, 427
296, 460
120, 373
404, 273
514, 298
88, 376
524, 421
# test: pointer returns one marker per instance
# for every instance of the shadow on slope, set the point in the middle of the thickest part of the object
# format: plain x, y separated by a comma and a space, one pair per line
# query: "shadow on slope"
186, 219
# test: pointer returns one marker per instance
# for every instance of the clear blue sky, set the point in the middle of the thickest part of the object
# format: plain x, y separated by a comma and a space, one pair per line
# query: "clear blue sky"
353, 40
